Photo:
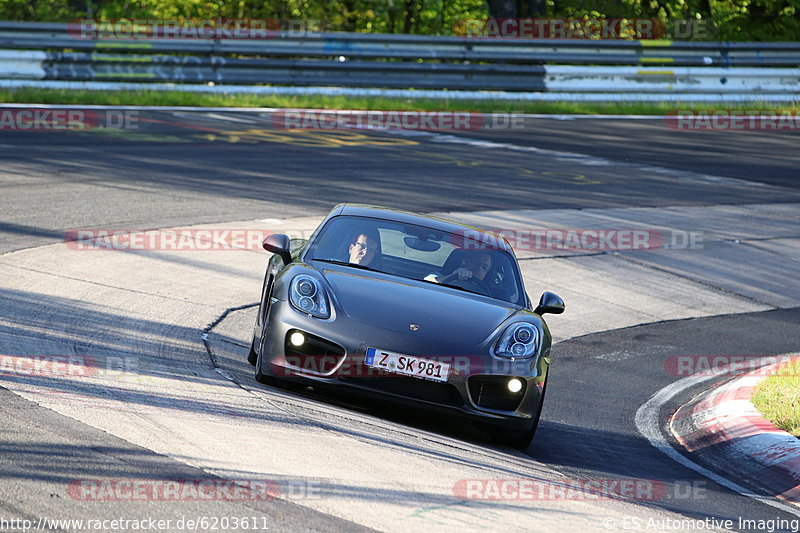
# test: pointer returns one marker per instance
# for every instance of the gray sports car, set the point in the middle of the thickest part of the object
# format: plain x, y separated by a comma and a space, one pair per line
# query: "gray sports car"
411, 308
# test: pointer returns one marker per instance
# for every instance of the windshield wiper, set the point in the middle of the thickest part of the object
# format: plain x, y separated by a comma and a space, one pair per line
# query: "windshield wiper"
346, 263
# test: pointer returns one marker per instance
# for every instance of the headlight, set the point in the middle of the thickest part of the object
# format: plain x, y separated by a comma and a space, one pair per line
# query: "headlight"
308, 297
518, 340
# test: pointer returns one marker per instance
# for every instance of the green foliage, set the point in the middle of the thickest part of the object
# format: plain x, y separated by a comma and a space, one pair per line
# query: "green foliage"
778, 398
756, 20
760, 20
175, 98
723, 20
54, 10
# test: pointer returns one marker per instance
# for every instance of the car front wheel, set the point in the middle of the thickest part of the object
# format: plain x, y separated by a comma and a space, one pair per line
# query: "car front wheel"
252, 357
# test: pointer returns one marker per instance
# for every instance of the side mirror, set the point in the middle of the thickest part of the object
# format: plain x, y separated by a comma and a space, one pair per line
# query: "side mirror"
278, 244
550, 303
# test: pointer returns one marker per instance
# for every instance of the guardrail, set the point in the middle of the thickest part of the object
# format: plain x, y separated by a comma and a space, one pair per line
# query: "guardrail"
70, 66
48, 51
53, 36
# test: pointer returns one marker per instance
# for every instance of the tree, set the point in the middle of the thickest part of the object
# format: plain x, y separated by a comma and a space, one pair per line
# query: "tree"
502, 9
535, 8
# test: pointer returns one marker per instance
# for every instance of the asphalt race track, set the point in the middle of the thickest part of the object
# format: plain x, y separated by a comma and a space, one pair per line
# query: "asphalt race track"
194, 169
186, 407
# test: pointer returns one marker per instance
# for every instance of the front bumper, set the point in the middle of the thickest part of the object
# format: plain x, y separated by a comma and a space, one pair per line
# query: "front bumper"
475, 388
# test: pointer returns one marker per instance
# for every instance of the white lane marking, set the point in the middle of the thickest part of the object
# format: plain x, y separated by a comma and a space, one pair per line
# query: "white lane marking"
231, 118
648, 426
204, 114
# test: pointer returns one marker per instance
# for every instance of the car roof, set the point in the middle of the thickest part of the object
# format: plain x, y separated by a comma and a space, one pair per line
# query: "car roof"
407, 217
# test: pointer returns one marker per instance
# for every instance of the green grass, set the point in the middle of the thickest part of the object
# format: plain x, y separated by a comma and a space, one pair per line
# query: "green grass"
174, 98
778, 398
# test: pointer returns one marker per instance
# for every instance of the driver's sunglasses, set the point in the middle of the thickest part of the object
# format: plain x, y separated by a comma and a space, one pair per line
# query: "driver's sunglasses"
361, 245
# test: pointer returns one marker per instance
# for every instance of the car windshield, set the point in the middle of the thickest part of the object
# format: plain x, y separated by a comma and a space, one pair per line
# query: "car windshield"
468, 261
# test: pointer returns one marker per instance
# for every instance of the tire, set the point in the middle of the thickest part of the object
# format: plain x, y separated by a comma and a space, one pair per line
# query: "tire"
252, 357
269, 379
261, 377
541, 405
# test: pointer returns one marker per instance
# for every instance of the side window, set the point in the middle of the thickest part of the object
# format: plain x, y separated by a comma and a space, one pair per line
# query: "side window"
503, 278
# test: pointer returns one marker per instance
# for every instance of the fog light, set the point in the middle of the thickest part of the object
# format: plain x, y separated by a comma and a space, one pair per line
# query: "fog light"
297, 338
515, 384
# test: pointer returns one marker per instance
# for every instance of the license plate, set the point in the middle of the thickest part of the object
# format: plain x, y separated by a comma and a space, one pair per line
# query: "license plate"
407, 365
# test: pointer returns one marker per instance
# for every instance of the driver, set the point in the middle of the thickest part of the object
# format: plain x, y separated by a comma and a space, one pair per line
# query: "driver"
363, 248
474, 265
